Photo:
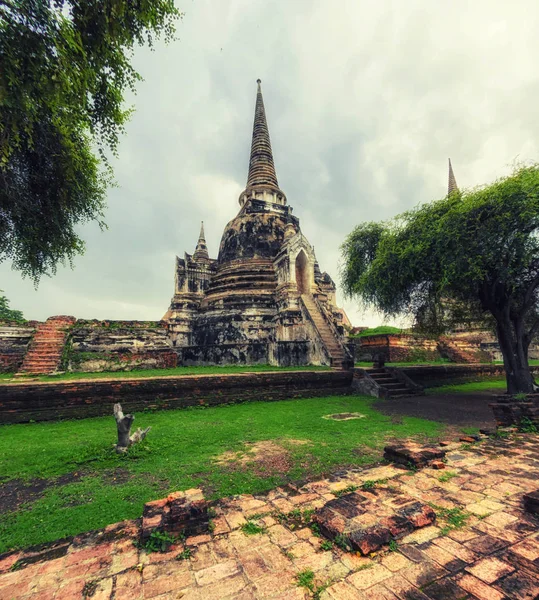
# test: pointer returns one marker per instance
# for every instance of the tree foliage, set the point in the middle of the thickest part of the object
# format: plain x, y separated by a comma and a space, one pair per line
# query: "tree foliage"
473, 255
6, 313
65, 67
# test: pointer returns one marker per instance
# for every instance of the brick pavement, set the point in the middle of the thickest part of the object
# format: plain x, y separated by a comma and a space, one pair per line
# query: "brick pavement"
494, 555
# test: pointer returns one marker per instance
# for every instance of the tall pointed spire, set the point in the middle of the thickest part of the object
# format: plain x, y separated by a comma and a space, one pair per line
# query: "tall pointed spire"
201, 251
452, 182
261, 166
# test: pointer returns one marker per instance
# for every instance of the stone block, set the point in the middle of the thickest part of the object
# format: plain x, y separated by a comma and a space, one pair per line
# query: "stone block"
412, 455
179, 513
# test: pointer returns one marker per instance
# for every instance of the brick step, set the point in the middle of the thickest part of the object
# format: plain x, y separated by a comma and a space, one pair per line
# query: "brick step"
334, 349
41, 359
45, 351
398, 388
37, 360
42, 347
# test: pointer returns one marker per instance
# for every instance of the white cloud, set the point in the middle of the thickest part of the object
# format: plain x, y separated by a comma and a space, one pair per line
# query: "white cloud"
365, 103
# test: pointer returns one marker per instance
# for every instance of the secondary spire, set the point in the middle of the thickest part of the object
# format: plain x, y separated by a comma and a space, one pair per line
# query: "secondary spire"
201, 251
452, 182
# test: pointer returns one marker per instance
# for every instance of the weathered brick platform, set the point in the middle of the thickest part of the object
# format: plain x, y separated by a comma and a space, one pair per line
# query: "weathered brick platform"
367, 521
492, 555
22, 402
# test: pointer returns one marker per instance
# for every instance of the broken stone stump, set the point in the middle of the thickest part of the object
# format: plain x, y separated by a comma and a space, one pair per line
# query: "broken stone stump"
179, 513
531, 502
366, 522
412, 455
437, 464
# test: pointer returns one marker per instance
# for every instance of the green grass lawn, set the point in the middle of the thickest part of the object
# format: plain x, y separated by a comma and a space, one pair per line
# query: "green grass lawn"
213, 370
179, 453
492, 383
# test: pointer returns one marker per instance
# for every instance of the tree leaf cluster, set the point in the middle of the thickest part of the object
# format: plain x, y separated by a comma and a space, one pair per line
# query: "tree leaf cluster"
6, 313
65, 68
471, 257
465, 253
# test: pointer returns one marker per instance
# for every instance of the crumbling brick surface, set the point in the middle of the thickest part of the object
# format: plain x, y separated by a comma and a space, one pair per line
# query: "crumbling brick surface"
493, 555
368, 521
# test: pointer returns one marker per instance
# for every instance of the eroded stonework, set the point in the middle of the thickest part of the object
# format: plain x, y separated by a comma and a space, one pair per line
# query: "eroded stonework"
264, 299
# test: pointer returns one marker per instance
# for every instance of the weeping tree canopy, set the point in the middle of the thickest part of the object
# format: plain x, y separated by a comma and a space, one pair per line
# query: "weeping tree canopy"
471, 256
65, 66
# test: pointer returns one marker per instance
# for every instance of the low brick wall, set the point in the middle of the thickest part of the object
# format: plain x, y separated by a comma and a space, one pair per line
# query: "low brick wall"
396, 347
22, 402
434, 375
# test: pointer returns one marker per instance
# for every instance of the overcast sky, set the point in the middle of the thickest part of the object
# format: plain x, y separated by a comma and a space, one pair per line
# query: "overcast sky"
365, 102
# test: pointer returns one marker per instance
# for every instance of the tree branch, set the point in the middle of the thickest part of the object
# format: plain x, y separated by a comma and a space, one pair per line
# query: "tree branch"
528, 296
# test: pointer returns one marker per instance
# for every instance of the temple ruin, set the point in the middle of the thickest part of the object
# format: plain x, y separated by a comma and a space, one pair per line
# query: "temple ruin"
264, 299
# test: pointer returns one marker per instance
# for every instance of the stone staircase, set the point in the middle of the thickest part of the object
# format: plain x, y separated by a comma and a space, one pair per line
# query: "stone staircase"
392, 387
45, 351
459, 351
339, 359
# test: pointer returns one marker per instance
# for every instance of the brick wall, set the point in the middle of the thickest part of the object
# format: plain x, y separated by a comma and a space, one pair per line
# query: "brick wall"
434, 375
396, 348
22, 402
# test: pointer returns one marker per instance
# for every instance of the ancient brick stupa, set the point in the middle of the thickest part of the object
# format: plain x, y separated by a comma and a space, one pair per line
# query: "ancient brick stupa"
264, 300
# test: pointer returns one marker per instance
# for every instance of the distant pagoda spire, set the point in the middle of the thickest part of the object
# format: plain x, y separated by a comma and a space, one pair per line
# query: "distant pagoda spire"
452, 182
262, 178
201, 251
